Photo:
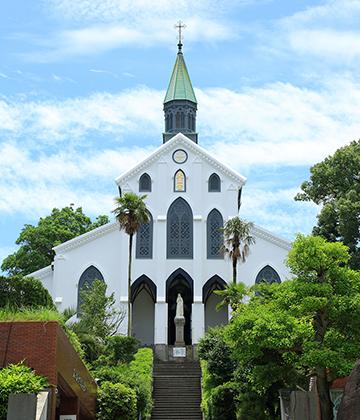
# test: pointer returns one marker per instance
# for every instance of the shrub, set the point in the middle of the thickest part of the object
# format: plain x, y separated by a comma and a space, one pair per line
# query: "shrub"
16, 379
116, 401
141, 369
20, 292
122, 348
222, 402
217, 353
136, 375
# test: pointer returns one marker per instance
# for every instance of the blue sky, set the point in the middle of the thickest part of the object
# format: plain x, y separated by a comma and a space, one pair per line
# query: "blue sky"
82, 84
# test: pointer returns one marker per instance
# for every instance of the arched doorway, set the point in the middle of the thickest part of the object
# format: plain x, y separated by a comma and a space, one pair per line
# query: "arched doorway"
179, 282
214, 317
143, 298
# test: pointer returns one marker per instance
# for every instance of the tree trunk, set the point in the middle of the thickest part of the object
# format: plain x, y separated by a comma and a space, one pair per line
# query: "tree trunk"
234, 266
129, 330
326, 406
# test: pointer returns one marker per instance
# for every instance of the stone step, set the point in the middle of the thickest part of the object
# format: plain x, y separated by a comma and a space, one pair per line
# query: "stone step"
176, 391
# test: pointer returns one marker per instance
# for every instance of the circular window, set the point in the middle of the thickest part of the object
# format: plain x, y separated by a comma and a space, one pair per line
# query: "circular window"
179, 156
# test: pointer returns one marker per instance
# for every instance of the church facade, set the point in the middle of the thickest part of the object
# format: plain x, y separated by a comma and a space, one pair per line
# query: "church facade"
190, 195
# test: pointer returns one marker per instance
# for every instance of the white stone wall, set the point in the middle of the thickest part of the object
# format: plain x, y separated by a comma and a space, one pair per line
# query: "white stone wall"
107, 248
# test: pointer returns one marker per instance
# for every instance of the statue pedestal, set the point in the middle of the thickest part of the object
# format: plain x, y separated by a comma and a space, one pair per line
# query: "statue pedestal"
179, 331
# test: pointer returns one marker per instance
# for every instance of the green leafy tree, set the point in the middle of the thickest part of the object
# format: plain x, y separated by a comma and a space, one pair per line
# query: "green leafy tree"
36, 242
23, 292
100, 318
335, 184
238, 239
131, 213
18, 379
308, 326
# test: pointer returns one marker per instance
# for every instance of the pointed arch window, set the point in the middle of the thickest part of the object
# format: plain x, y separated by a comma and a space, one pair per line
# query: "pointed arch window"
179, 181
267, 275
215, 237
214, 183
145, 183
86, 280
180, 230
144, 240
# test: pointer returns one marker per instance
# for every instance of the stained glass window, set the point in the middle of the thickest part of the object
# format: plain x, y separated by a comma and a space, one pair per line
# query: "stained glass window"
267, 275
145, 183
214, 183
144, 240
180, 230
215, 238
179, 181
86, 280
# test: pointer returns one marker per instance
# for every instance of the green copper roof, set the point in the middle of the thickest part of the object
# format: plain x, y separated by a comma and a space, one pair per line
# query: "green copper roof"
180, 86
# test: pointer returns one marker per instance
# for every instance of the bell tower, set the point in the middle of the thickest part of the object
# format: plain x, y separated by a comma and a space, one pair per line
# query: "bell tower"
180, 103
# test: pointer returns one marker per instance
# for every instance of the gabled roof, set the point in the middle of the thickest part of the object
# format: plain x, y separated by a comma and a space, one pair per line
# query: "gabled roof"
180, 86
41, 273
262, 233
181, 140
86, 237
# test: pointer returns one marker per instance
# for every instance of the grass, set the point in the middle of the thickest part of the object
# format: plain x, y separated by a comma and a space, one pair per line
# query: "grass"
28, 314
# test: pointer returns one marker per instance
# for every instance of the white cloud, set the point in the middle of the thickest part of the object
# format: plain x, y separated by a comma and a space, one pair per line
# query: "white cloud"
98, 38
277, 211
329, 30
56, 120
132, 10
278, 124
336, 45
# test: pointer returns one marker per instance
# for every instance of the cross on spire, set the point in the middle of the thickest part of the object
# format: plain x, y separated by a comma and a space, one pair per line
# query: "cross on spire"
180, 25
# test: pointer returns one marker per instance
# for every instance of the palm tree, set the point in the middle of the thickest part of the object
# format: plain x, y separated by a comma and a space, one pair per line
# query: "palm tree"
131, 213
237, 241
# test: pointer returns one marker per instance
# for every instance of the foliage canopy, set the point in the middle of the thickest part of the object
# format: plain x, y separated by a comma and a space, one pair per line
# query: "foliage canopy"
21, 292
36, 242
335, 184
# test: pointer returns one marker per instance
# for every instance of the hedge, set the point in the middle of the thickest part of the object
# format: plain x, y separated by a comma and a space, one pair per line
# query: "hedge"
17, 379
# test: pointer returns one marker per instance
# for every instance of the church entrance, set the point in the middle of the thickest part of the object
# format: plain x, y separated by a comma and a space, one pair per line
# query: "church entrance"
214, 316
179, 282
143, 298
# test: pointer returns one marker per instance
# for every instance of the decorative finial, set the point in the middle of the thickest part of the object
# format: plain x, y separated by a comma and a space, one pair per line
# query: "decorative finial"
180, 25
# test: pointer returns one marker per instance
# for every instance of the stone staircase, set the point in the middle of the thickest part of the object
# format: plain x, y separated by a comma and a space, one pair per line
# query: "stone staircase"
177, 391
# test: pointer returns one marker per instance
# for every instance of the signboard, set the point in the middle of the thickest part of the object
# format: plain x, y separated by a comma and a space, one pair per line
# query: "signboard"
68, 417
179, 352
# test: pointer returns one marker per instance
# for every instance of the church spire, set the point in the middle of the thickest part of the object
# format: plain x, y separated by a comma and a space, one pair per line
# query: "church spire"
180, 103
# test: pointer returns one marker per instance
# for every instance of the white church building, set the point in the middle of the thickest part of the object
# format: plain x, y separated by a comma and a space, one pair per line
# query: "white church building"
190, 194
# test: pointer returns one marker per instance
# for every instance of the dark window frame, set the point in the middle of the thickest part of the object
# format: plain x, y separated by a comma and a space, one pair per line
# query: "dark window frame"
267, 275
214, 177
180, 222
211, 240
142, 242
145, 176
